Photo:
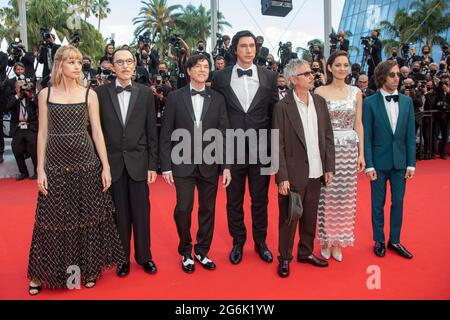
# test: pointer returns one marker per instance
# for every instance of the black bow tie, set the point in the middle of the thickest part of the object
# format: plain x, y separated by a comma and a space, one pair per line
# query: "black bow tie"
202, 93
121, 89
389, 98
241, 73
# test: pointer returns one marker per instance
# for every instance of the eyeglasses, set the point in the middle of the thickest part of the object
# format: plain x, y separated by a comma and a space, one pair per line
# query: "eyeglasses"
395, 74
306, 74
129, 62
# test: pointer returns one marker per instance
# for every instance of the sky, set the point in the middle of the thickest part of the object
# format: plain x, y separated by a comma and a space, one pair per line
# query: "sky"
303, 23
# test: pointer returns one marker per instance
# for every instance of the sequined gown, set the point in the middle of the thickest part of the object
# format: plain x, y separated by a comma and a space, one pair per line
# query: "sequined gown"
74, 224
337, 205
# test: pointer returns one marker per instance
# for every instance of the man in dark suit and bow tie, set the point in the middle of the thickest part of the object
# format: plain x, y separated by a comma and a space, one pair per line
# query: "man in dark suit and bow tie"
250, 92
390, 152
195, 108
127, 113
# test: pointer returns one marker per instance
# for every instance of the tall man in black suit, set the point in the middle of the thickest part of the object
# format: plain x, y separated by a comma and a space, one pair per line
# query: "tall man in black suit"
194, 108
250, 92
127, 113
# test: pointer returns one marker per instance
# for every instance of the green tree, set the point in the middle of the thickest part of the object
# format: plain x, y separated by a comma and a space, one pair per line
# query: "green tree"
397, 31
431, 18
101, 10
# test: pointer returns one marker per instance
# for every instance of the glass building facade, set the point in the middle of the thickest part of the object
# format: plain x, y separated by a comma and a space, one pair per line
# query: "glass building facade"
360, 17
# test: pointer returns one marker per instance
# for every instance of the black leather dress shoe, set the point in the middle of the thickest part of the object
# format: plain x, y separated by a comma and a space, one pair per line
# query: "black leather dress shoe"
236, 254
1, 158
264, 252
123, 270
379, 249
187, 264
401, 250
33, 177
22, 177
150, 267
206, 263
283, 268
312, 259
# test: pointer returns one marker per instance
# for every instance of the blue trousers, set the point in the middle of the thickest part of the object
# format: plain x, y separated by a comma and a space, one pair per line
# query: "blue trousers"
398, 186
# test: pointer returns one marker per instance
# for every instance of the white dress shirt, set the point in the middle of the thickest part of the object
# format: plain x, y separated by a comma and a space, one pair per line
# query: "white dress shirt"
124, 100
308, 115
197, 104
245, 87
392, 109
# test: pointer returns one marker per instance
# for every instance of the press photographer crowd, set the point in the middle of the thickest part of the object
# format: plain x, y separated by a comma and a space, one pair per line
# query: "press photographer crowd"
421, 78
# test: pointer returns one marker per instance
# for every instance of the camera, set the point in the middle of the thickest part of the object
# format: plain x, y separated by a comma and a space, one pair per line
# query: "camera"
26, 86
334, 40
405, 49
45, 36
367, 43
75, 40
15, 48
145, 38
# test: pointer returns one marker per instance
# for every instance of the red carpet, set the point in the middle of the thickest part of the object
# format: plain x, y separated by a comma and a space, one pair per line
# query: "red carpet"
425, 233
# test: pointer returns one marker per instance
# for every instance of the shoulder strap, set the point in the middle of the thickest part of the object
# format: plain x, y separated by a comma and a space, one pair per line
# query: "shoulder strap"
48, 93
87, 95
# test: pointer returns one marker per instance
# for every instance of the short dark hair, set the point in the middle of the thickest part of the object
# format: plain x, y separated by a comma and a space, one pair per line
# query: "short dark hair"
225, 38
196, 58
382, 72
200, 41
18, 64
238, 36
122, 49
87, 58
219, 58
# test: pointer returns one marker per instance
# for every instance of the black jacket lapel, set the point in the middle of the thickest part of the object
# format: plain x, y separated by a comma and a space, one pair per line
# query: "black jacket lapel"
188, 102
206, 104
294, 118
115, 101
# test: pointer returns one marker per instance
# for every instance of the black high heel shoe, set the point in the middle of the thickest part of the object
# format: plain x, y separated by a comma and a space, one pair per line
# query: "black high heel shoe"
34, 290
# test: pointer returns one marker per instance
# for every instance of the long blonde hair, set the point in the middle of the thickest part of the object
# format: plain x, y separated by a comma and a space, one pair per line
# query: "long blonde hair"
62, 54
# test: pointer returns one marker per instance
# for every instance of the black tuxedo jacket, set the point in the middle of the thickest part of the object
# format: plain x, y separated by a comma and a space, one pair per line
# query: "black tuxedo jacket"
32, 109
259, 115
3, 65
132, 145
179, 114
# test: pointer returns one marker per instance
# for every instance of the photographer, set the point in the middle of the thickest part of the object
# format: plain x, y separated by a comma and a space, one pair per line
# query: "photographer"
160, 88
179, 53
416, 72
443, 67
372, 51
105, 73
285, 53
441, 118
3, 66
338, 42
47, 55
201, 49
283, 89
89, 74
17, 54
223, 49
24, 126
319, 76
363, 85
413, 57
395, 57
352, 78
109, 50
446, 56
143, 72
261, 52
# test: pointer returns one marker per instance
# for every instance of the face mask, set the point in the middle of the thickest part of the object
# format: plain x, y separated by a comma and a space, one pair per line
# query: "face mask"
86, 66
281, 87
315, 69
200, 48
374, 37
442, 66
416, 70
394, 54
432, 72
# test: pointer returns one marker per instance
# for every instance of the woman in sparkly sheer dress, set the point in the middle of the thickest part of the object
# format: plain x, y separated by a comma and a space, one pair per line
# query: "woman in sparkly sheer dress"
337, 207
75, 236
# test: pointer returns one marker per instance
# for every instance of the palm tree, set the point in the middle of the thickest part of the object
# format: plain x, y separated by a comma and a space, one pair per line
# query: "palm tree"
431, 18
155, 15
87, 7
195, 24
398, 31
101, 10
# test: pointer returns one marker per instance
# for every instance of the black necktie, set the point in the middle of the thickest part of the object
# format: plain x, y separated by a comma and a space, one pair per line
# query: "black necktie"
244, 73
195, 92
389, 98
121, 89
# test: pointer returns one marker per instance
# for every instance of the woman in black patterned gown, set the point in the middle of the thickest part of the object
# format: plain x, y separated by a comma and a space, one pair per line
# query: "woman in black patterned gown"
75, 237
